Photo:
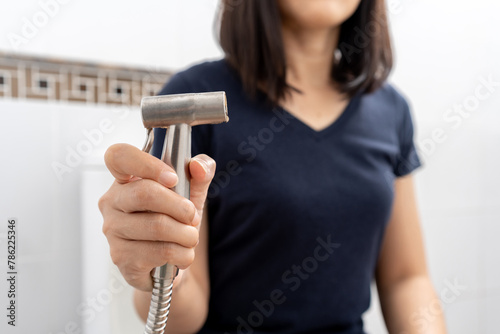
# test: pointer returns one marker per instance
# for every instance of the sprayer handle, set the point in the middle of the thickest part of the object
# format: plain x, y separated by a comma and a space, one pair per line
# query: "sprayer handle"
176, 153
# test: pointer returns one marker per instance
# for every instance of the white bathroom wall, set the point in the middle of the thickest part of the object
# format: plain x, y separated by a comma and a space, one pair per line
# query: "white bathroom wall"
105, 292
447, 64
446, 53
52, 166
150, 33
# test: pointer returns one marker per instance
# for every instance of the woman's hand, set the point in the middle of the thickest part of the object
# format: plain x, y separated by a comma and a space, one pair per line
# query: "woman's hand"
146, 223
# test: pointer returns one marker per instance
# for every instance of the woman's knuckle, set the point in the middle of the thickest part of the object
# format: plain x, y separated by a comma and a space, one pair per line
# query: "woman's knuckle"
102, 203
109, 226
166, 251
138, 267
140, 193
153, 225
116, 256
132, 277
131, 280
187, 210
106, 228
157, 226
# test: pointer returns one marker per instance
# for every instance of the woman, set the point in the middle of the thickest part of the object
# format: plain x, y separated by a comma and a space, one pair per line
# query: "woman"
313, 197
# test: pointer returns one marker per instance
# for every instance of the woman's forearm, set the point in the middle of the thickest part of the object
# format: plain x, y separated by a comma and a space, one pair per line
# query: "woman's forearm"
403, 303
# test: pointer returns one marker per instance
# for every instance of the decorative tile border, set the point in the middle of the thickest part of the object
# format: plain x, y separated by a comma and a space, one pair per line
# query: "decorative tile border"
25, 77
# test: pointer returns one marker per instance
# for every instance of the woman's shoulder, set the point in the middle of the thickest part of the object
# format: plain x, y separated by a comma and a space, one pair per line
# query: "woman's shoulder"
388, 105
206, 76
390, 96
204, 68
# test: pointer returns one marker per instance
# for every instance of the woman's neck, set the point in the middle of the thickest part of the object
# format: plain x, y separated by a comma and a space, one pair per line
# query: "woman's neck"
309, 55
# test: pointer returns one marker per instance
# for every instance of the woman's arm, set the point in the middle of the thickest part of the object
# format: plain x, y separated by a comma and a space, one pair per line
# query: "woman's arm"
189, 306
403, 283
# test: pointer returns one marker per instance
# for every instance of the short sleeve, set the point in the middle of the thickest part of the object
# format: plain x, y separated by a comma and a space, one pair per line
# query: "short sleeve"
407, 160
200, 134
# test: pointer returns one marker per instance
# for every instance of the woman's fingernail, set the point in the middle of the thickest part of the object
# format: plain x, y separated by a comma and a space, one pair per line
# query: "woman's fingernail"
168, 179
206, 163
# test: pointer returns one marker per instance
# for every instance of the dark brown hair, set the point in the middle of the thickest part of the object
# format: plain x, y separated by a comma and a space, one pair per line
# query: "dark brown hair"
250, 35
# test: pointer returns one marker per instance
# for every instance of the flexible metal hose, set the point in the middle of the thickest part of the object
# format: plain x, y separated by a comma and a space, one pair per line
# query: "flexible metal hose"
160, 299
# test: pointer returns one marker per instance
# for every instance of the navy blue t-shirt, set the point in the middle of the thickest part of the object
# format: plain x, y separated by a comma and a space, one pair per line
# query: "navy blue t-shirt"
296, 216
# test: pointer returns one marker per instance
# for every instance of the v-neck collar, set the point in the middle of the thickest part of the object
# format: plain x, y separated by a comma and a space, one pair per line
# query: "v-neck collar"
300, 125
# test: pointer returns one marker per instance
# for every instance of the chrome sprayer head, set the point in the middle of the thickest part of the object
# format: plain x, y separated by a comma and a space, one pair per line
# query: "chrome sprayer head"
192, 109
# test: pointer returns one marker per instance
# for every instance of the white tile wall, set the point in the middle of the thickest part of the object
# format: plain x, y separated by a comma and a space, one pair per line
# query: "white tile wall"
489, 309
50, 211
101, 278
463, 317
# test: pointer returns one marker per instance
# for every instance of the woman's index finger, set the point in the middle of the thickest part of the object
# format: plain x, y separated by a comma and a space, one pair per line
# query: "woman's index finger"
127, 162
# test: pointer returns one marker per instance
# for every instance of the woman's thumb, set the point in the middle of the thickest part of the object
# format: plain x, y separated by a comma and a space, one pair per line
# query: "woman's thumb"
202, 169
